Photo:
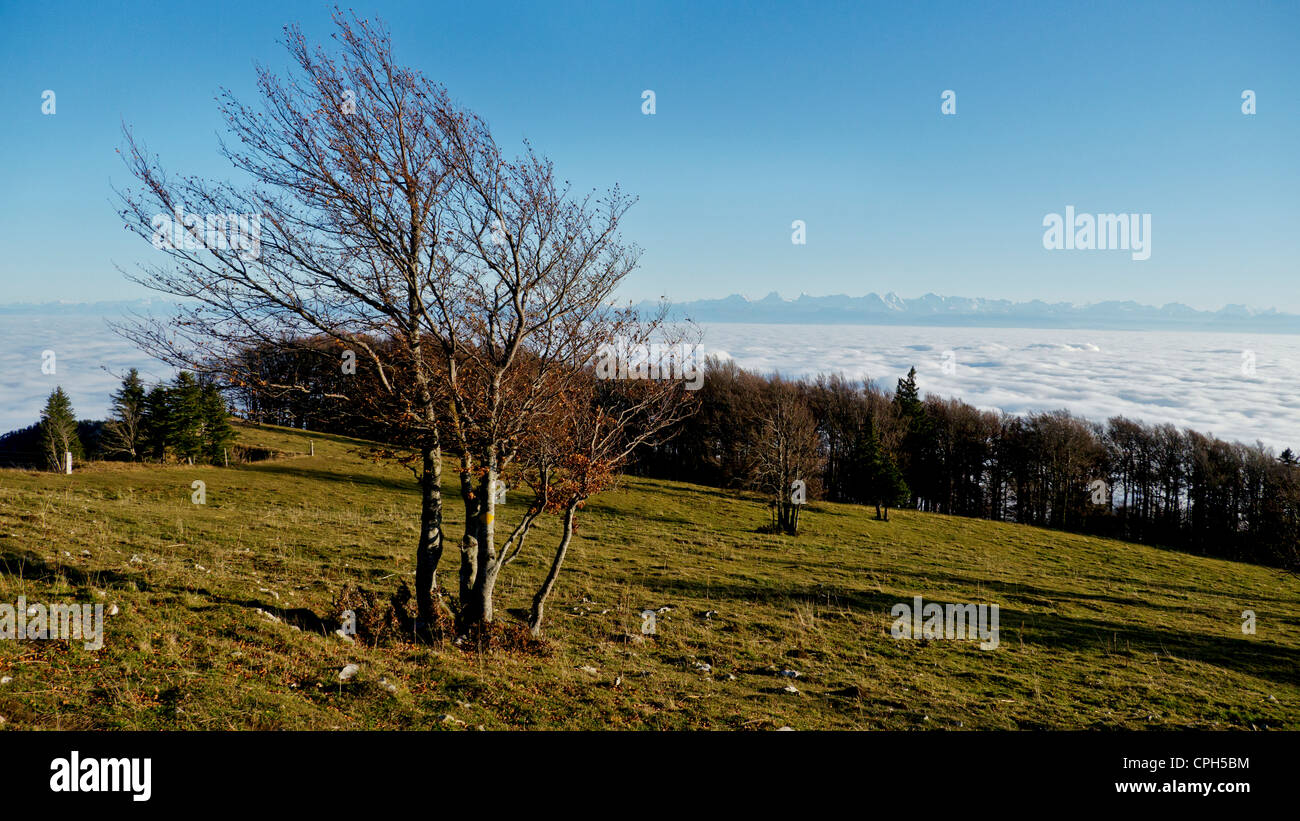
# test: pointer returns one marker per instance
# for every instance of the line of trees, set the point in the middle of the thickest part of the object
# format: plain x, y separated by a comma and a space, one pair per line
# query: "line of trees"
858, 443
184, 420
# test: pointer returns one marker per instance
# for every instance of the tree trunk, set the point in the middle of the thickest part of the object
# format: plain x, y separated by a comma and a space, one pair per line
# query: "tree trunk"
468, 555
539, 600
488, 566
469, 541
429, 552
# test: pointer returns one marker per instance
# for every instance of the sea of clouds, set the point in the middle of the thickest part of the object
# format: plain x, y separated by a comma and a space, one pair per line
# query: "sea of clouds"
1191, 379
1197, 380
89, 363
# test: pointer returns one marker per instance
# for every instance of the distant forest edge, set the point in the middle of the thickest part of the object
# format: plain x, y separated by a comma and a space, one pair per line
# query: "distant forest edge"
859, 443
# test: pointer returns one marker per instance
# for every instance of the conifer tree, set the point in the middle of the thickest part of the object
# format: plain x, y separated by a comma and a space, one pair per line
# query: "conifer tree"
217, 432
916, 469
185, 417
876, 477
156, 422
59, 430
124, 432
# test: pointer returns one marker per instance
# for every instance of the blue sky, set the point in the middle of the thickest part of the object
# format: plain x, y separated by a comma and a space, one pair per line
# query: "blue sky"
765, 113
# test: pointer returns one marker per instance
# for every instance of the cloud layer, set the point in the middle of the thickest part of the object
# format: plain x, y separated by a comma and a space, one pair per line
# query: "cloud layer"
1189, 379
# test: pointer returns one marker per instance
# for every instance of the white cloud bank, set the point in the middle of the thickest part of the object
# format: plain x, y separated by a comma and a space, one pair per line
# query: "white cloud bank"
1190, 379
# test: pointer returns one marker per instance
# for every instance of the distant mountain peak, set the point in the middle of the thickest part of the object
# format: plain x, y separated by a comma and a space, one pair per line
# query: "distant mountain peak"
935, 309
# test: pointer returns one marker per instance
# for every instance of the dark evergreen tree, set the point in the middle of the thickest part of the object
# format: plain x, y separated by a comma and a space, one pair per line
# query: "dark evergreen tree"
58, 428
155, 423
124, 431
217, 432
185, 417
919, 468
907, 398
876, 477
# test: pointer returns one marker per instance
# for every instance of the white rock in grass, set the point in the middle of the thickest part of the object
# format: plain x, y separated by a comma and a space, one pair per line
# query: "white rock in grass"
789, 674
339, 632
135, 559
348, 672
703, 667
6, 679
785, 729
790, 688
588, 669
200, 568
270, 616
448, 718
112, 610
86, 553
387, 685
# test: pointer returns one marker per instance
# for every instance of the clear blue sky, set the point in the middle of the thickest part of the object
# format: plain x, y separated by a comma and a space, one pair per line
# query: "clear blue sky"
766, 113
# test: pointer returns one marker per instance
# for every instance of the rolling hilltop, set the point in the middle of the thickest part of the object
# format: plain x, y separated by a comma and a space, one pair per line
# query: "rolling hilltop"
223, 613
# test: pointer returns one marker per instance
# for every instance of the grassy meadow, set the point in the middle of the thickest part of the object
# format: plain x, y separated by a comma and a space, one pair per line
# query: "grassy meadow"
219, 608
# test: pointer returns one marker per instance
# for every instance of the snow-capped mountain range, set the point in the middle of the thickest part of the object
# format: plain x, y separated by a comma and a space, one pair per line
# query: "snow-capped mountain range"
932, 309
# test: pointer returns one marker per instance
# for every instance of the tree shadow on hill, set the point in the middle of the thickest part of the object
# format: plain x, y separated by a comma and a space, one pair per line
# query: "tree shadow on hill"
24, 564
646, 486
1243, 655
1022, 590
29, 566
865, 600
358, 479
300, 617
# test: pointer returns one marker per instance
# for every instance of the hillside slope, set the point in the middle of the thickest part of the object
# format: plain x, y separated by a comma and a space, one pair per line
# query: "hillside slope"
1094, 633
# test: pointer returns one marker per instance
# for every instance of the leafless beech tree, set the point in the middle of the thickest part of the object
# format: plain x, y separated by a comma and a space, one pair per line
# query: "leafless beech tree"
473, 290
787, 450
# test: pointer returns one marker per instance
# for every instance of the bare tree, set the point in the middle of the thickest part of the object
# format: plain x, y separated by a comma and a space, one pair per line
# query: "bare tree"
390, 228
787, 451
591, 434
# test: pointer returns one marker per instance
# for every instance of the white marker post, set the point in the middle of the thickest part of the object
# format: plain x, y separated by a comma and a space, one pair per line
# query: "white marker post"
67, 454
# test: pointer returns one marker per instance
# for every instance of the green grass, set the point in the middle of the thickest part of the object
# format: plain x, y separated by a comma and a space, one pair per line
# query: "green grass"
1094, 633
